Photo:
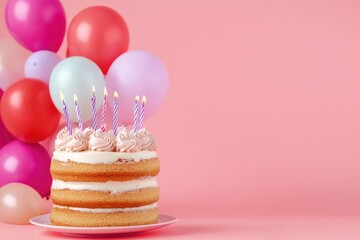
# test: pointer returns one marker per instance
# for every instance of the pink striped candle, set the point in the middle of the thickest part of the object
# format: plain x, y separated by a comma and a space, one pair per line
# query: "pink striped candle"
93, 104
103, 113
136, 106
115, 116
142, 113
66, 113
78, 114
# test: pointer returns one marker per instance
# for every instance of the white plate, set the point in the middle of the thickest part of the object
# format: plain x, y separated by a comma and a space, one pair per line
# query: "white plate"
44, 222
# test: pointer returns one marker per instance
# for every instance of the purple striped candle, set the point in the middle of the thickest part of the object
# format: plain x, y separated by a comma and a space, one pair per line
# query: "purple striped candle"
66, 113
136, 106
142, 113
93, 104
115, 116
78, 114
103, 113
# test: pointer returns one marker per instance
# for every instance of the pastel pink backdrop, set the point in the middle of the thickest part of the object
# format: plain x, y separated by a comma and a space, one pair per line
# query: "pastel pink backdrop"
263, 112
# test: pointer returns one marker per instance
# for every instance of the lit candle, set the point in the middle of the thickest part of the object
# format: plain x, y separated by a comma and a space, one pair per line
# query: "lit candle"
103, 115
142, 113
66, 113
78, 114
115, 116
136, 106
93, 103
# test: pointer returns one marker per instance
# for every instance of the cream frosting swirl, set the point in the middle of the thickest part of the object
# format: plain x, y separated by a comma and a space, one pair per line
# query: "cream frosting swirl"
62, 138
102, 141
88, 139
87, 132
77, 143
127, 142
146, 139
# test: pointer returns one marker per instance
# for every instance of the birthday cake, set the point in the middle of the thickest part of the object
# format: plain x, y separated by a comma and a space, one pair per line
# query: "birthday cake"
104, 179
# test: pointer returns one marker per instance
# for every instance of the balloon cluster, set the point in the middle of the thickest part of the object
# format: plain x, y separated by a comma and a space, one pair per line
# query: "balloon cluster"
32, 76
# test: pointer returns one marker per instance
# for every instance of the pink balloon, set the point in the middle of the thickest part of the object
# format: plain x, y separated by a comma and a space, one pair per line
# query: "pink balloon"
40, 65
36, 24
12, 60
5, 136
26, 163
137, 73
19, 203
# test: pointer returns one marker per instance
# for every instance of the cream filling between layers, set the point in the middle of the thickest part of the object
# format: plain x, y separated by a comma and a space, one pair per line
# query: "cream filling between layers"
93, 157
111, 186
108, 210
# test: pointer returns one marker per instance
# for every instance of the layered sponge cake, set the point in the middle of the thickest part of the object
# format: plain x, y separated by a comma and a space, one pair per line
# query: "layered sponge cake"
104, 180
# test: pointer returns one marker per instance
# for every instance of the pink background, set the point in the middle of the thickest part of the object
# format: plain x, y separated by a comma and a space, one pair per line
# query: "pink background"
263, 112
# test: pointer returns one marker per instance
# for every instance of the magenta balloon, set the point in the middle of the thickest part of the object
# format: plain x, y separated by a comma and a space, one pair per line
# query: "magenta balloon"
137, 73
40, 65
26, 163
5, 136
36, 24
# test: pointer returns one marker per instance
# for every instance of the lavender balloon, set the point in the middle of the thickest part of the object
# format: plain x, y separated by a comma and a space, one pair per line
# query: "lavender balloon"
26, 163
137, 73
40, 65
5, 136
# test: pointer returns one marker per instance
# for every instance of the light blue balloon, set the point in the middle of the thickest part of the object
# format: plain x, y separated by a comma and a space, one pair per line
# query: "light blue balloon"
77, 75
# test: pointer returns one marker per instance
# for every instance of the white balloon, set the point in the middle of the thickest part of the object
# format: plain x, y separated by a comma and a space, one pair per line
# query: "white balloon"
77, 75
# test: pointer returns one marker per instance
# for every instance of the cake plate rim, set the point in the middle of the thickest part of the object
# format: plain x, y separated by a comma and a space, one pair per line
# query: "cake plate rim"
44, 222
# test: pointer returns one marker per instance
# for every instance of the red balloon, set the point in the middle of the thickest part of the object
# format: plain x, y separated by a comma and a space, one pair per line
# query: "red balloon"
28, 112
5, 136
98, 33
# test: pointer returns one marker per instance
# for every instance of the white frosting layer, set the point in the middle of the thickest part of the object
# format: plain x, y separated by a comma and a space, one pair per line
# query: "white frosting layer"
92, 157
111, 186
108, 210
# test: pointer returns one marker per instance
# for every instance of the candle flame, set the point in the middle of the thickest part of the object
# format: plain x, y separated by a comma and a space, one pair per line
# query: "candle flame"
137, 98
105, 92
75, 98
62, 96
93, 89
116, 94
143, 99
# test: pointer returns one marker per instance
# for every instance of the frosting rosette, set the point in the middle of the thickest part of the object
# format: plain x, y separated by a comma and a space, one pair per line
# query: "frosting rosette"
62, 138
78, 142
102, 141
87, 132
127, 142
147, 140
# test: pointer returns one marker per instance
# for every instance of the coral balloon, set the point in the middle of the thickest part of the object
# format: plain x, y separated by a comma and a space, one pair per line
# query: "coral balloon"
36, 24
28, 112
77, 75
40, 65
98, 33
19, 203
26, 163
5, 136
137, 73
12, 60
